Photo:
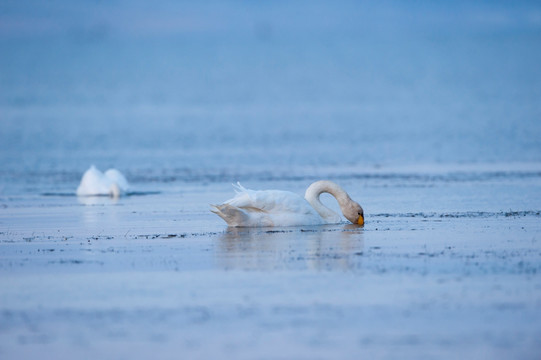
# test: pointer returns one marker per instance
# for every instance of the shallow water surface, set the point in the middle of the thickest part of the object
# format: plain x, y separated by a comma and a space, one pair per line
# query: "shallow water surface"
159, 274
426, 113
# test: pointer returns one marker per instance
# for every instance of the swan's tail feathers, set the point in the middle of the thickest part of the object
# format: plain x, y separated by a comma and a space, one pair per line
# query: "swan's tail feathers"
239, 188
232, 215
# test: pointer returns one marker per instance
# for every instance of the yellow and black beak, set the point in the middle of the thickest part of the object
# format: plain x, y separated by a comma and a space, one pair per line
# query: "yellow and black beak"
360, 220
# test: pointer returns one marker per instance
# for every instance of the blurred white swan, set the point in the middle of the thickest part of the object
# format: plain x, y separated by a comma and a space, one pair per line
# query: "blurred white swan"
96, 183
251, 208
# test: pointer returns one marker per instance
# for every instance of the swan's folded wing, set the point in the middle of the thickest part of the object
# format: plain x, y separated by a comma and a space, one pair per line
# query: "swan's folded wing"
271, 201
94, 182
235, 216
117, 177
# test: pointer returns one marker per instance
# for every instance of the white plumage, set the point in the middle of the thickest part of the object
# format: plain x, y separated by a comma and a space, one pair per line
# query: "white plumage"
252, 208
96, 183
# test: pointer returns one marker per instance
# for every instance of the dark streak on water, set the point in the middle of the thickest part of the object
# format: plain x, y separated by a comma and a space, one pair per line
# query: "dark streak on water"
467, 214
168, 175
131, 193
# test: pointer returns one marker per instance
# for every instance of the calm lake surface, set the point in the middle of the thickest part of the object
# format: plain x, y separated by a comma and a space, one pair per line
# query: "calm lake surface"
428, 114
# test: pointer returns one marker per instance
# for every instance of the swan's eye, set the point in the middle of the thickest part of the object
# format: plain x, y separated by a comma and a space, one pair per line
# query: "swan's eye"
358, 213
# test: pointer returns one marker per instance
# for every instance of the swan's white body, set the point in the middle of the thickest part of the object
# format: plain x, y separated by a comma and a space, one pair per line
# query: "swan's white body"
262, 208
96, 183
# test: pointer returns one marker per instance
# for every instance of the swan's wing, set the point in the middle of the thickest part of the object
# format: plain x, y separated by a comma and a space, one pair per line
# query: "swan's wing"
116, 176
266, 208
235, 216
270, 201
94, 183
251, 217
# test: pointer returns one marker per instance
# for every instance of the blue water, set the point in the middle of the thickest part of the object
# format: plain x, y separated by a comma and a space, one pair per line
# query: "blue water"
229, 91
428, 113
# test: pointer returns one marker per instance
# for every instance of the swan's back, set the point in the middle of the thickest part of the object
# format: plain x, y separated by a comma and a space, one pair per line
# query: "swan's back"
94, 182
271, 201
267, 208
117, 177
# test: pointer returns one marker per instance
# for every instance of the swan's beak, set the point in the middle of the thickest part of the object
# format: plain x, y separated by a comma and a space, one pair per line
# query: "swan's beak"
360, 221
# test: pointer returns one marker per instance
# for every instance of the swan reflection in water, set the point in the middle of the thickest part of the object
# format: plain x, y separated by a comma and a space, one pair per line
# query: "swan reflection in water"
317, 248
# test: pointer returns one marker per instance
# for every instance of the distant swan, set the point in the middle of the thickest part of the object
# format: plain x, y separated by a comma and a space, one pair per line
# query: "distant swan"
251, 208
96, 183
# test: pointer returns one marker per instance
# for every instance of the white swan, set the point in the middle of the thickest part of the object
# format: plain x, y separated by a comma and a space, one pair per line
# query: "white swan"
96, 183
251, 208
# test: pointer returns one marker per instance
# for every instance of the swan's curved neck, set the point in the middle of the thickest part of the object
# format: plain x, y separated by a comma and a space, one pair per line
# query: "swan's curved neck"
319, 187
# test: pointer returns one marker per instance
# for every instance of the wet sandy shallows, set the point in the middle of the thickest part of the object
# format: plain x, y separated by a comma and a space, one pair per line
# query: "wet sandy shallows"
428, 114
144, 278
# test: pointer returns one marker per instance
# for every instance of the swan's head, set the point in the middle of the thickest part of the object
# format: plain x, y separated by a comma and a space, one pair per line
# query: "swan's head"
354, 213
